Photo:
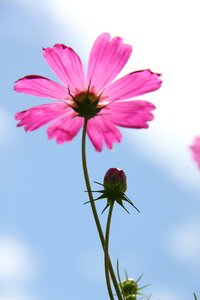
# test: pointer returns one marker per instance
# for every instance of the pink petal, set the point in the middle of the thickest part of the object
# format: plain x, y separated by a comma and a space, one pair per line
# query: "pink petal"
133, 84
38, 116
41, 86
66, 128
100, 130
67, 65
107, 58
195, 148
130, 114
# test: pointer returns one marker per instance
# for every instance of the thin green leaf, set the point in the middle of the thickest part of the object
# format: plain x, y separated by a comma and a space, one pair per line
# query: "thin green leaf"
195, 296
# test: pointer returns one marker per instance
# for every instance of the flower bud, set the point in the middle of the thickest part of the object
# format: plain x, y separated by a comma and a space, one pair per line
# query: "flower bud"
115, 179
129, 288
114, 187
131, 297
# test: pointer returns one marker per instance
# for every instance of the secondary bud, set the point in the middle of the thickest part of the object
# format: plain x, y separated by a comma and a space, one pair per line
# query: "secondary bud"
129, 288
115, 179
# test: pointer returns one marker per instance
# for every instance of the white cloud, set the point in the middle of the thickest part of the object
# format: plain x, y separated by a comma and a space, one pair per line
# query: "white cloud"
166, 46
17, 267
183, 243
16, 261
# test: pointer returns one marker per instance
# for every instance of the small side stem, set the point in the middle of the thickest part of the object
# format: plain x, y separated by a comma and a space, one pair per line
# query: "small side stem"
94, 211
106, 253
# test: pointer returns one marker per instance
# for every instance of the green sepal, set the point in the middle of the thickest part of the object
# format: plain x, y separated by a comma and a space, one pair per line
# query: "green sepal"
113, 194
107, 205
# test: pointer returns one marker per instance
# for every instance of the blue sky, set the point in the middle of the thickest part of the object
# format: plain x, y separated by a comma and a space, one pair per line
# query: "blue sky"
49, 248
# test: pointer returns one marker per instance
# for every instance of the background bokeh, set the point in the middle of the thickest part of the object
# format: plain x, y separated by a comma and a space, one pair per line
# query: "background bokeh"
49, 247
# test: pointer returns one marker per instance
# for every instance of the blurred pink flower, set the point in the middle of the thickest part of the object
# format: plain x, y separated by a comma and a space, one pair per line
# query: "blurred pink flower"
95, 97
195, 148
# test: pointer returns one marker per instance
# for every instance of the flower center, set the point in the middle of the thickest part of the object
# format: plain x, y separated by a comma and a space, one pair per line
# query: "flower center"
86, 104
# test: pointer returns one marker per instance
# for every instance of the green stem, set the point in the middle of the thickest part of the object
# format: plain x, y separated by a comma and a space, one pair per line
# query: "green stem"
106, 253
94, 211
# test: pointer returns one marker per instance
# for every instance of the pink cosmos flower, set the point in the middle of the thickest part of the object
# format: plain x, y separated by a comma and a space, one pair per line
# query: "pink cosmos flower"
95, 97
195, 148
